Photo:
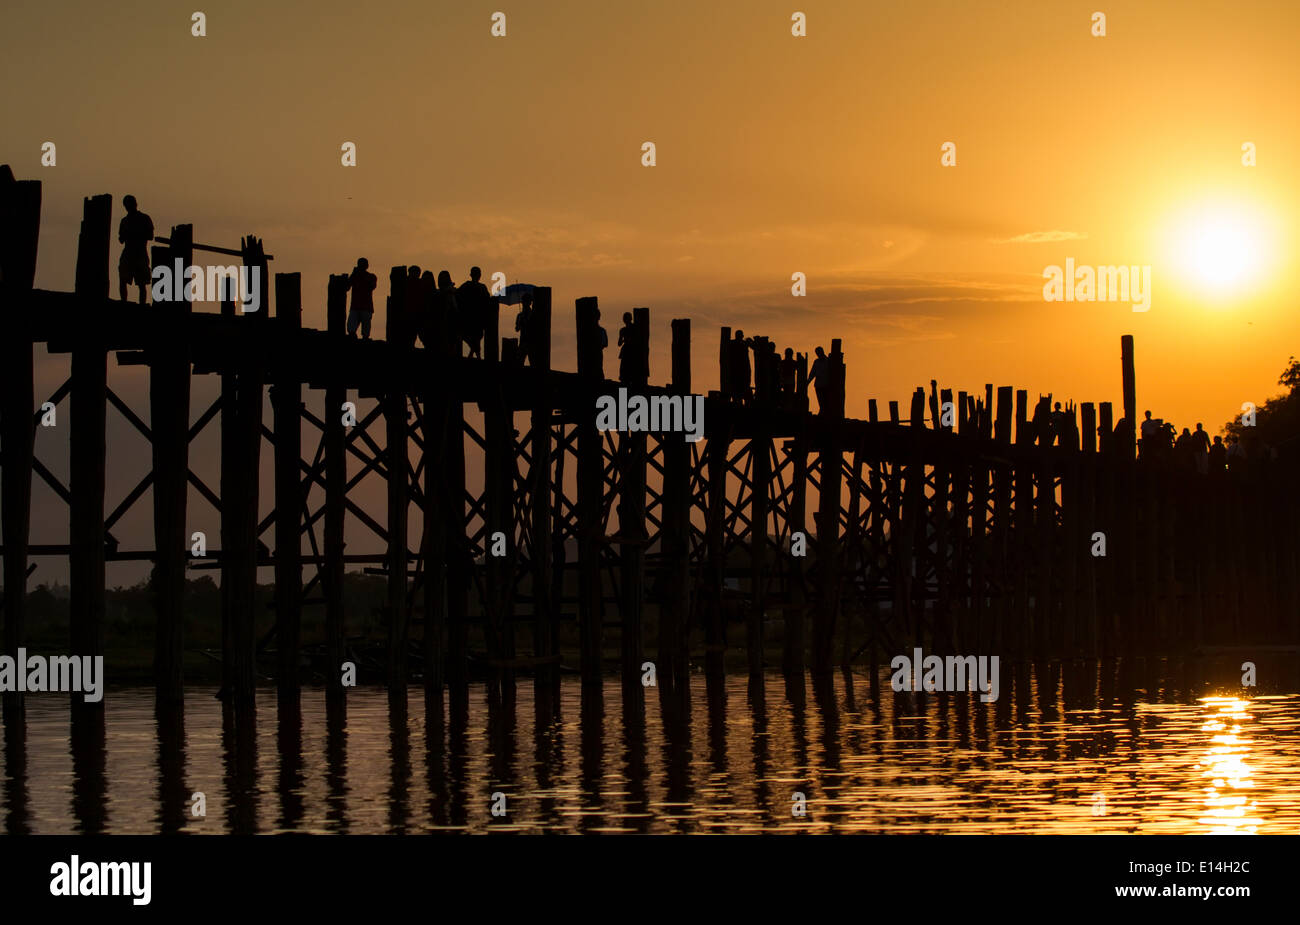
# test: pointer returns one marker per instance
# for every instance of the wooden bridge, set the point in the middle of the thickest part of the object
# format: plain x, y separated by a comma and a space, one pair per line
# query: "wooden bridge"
974, 535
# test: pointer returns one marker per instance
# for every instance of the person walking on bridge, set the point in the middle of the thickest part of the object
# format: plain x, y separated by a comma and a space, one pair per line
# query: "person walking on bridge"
135, 231
361, 284
473, 300
817, 377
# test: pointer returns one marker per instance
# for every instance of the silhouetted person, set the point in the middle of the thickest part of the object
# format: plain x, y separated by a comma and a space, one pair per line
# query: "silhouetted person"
1236, 454
789, 374
362, 285
627, 348
524, 327
766, 374
817, 378
1217, 457
412, 310
1149, 434
1201, 449
604, 344
442, 310
740, 369
1059, 425
473, 300
1123, 434
423, 320
1185, 451
135, 232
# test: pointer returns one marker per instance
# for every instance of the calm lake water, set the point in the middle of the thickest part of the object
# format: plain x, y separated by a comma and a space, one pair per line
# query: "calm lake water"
1141, 747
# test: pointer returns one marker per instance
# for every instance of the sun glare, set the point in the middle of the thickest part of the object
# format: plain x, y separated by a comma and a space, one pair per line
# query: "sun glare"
1220, 249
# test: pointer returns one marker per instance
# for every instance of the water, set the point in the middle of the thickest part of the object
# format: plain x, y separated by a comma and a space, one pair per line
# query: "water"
1083, 748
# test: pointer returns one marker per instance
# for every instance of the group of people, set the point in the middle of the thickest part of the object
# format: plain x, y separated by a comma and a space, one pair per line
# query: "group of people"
771, 376
425, 305
1191, 450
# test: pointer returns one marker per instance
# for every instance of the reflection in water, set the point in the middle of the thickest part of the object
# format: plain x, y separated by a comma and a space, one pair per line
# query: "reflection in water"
1228, 807
1069, 747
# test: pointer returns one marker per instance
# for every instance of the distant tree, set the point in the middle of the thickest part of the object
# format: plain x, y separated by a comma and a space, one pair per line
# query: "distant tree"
1277, 420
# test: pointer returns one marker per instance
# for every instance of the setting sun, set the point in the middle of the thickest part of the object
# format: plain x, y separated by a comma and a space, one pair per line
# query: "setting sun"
1221, 249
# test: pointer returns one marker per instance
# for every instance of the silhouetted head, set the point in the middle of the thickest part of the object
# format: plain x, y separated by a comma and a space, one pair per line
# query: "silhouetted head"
627, 317
789, 353
740, 335
413, 272
363, 263
1058, 406
821, 353
444, 280
1198, 426
1218, 441
426, 278
1186, 432
1148, 415
128, 202
475, 273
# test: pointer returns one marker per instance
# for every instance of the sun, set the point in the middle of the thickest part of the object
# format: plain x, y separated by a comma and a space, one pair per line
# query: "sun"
1220, 249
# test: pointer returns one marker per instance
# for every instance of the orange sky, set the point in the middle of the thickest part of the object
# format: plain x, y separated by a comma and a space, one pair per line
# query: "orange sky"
775, 154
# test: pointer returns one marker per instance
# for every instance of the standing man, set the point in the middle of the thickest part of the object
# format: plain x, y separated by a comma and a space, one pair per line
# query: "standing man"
817, 376
135, 232
472, 299
604, 342
1201, 449
361, 284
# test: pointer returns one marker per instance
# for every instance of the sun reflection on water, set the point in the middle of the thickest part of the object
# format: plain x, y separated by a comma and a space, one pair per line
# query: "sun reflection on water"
1228, 807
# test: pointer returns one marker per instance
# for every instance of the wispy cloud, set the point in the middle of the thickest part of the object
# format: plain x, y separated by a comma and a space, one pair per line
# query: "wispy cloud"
1041, 237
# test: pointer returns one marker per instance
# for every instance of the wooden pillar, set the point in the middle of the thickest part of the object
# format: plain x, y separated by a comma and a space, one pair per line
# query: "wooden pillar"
724, 361
1001, 520
287, 407
241, 488
793, 643
1131, 550
828, 511
1045, 622
169, 404
674, 666
544, 625
939, 517
232, 506
20, 223
498, 490
715, 625
397, 430
1106, 568
336, 477
909, 594
631, 521
857, 561
1089, 521
878, 511
1130, 380
87, 449
1022, 526
760, 448
590, 491
436, 395
460, 559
